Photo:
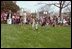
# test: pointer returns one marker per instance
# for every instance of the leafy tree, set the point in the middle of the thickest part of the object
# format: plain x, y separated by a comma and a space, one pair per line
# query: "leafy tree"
9, 5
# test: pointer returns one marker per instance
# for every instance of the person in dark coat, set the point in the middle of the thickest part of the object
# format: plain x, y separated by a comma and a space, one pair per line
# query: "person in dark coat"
9, 14
9, 17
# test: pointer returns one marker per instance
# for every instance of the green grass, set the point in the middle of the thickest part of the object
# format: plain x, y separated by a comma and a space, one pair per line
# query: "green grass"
24, 36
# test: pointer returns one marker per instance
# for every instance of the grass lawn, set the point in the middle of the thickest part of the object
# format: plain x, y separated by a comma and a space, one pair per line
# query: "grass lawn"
24, 36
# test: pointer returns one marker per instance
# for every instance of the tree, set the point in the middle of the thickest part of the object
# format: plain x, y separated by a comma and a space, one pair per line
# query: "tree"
61, 6
9, 5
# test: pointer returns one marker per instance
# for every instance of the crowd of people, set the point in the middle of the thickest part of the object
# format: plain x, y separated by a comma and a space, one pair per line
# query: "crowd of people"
44, 20
5, 15
55, 20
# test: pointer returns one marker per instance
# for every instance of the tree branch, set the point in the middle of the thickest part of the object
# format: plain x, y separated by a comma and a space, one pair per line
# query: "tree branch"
69, 8
56, 5
63, 4
67, 5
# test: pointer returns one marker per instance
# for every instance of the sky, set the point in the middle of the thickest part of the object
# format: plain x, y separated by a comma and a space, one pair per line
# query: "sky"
32, 6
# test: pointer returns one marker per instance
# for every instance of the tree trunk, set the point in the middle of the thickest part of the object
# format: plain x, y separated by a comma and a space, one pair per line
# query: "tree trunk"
61, 18
60, 13
60, 10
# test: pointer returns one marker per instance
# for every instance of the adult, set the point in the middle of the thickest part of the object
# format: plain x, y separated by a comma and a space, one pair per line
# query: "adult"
9, 17
44, 21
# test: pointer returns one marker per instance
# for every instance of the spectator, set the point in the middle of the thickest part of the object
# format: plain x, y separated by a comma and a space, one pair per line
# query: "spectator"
9, 17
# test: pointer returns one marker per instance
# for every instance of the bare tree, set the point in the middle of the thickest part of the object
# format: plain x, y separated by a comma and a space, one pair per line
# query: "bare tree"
61, 6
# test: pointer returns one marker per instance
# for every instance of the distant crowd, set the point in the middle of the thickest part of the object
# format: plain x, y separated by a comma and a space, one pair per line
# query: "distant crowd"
16, 18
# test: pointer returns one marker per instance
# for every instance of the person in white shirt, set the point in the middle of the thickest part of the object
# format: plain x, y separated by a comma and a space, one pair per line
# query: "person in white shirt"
9, 17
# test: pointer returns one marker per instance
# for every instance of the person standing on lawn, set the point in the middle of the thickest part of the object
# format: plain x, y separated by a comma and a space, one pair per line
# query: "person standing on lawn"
9, 17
